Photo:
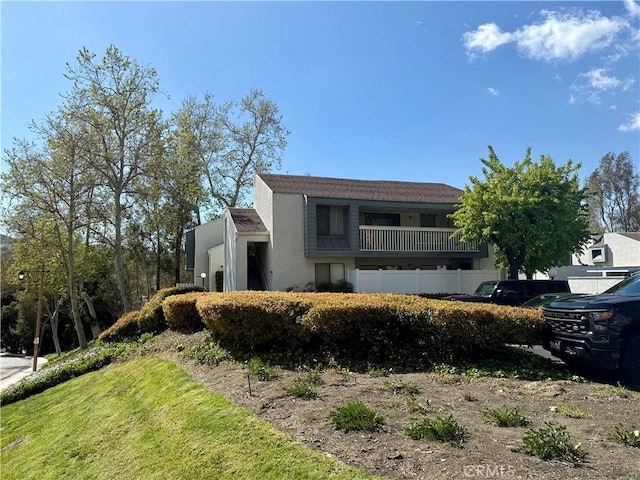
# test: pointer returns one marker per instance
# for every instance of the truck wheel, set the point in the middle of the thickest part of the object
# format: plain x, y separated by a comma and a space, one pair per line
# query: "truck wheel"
630, 362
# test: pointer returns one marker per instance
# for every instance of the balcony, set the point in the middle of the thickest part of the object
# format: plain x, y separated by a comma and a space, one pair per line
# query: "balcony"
413, 239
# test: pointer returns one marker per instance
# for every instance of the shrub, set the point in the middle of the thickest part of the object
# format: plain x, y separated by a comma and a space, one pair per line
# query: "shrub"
302, 388
569, 411
341, 286
441, 429
181, 313
255, 321
364, 329
261, 370
209, 352
624, 436
401, 388
151, 318
356, 416
88, 361
552, 443
126, 327
505, 417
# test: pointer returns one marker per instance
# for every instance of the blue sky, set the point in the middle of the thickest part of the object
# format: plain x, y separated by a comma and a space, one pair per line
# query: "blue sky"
373, 90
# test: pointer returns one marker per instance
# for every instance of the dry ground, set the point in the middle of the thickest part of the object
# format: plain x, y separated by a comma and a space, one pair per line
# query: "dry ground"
488, 450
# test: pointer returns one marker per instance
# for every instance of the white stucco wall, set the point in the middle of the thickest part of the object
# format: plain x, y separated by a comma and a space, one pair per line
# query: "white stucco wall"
216, 262
289, 268
621, 251
207, 236
286, 266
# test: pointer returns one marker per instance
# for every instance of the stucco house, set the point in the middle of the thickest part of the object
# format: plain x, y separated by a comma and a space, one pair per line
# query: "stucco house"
304, 231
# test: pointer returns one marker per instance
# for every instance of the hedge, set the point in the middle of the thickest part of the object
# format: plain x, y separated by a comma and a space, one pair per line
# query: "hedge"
255, 320
367, 327
181, 314
149, 319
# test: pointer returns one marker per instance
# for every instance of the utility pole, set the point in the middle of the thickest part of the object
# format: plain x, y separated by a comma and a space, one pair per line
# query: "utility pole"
36, 337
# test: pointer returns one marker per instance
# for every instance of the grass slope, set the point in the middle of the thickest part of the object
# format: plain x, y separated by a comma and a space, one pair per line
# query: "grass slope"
147, 419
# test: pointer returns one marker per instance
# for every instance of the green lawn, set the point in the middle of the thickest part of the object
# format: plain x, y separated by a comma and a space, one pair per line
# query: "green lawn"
147, 419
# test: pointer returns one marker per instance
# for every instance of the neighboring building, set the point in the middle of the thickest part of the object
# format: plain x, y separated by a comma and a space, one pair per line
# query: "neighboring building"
606, 259
611, 250
304, 231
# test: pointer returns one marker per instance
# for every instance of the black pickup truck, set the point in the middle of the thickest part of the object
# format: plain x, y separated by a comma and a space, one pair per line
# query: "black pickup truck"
599, 331
512, 292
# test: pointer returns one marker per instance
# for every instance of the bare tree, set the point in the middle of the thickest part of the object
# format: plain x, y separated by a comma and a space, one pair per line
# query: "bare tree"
614, 204
228, 144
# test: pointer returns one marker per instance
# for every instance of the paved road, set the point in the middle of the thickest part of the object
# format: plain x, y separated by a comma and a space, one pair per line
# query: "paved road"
14, 367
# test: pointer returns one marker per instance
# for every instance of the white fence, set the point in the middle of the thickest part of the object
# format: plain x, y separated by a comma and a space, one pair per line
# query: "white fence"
419, 281
592, 285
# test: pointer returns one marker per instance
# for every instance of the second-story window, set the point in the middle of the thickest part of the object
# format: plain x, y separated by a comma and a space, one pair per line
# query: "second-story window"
331, 220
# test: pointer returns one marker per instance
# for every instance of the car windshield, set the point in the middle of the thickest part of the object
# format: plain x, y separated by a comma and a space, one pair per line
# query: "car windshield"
485, 289
628, 286
542, 300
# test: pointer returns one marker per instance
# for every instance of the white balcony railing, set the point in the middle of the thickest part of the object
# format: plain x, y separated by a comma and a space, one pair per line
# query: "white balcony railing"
412, 239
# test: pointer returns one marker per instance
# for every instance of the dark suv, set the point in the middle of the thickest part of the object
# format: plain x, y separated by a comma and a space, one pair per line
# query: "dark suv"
512, 292
601, 331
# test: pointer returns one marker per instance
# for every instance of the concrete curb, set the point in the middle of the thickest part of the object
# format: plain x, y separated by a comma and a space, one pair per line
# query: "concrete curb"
18, 376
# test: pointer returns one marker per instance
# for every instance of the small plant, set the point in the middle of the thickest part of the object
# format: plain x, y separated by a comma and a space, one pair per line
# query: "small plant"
470, 397
314, 377
356, 416
416, 406
379, 372
208, 352
261, 370
441, 429
401, 388
552, 443
615, 391
505, 417
302, 388
626, 437
569, 411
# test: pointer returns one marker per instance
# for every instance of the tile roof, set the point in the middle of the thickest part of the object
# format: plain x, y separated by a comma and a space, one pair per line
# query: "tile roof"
383, 190
247, 220
632, 235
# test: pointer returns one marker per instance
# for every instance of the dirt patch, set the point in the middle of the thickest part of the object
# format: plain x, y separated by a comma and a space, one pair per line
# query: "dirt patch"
488, 451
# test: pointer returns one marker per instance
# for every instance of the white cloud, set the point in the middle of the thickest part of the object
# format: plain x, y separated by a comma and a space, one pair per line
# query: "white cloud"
597, 83
567, 36
557, 37
493, 91
486, 38
633, 124
599, 80
632, 7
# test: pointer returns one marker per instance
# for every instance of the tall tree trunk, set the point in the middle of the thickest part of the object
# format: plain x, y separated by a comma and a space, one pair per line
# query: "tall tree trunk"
93, 323
118, 260
73, 290
54, 318
178, 254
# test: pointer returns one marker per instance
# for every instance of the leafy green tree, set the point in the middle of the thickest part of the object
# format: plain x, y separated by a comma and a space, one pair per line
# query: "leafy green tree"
49, 186
532, 213
126, 134
614, 203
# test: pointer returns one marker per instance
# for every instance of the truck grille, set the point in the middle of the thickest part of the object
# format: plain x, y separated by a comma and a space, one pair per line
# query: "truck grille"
567, 321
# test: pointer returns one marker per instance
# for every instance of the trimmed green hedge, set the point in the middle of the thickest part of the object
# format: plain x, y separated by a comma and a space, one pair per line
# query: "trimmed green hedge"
149, 319
255, 320
364, 327
181, 314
